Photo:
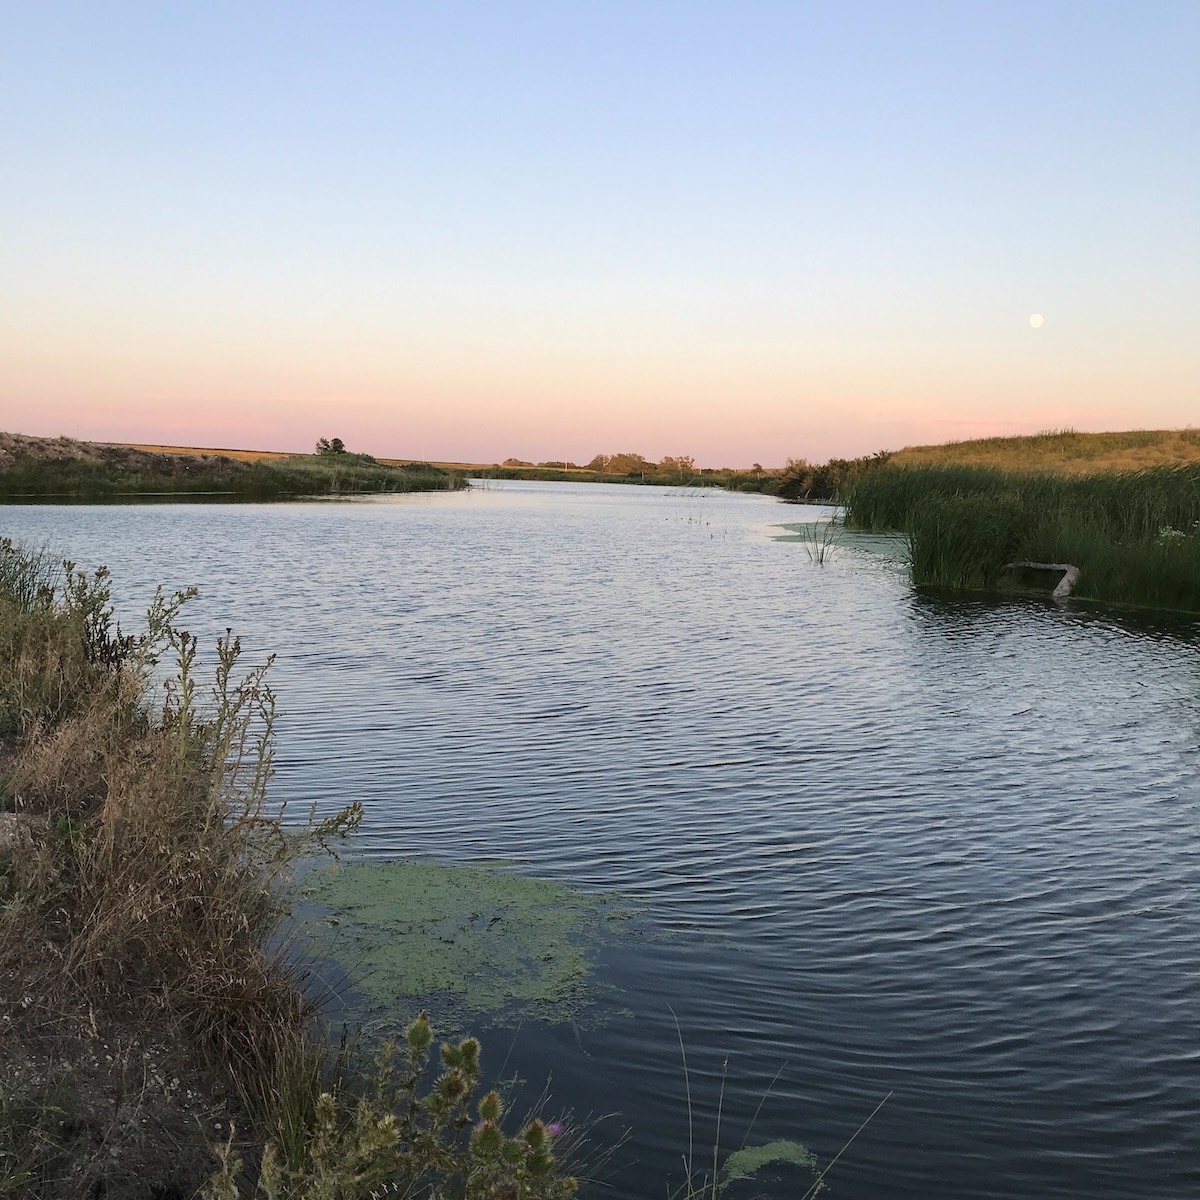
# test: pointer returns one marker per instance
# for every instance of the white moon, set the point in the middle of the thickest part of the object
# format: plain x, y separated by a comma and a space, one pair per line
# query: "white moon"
1036, 320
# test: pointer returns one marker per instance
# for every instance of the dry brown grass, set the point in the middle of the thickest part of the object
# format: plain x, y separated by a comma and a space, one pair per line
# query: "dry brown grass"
1064, 452
139, 901
156, 875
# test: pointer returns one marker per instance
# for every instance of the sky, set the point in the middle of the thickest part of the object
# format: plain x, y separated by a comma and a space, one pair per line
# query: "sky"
467, 231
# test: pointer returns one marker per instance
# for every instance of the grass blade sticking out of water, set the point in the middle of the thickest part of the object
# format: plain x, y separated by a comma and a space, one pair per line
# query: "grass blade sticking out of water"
819, 1182
687, 1086
743, 1162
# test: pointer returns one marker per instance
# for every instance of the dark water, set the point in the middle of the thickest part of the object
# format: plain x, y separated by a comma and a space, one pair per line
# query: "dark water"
882, 843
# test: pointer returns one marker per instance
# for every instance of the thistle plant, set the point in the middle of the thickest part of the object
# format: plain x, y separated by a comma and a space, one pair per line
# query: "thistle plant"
403, 1129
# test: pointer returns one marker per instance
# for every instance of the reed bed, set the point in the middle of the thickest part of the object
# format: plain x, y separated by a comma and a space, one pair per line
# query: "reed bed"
1135, 536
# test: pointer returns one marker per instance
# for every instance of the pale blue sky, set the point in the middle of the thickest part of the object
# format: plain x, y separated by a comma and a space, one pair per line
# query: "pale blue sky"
467, 231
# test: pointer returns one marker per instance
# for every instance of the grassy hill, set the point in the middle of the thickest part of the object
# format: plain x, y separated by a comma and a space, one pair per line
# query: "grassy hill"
1064, 452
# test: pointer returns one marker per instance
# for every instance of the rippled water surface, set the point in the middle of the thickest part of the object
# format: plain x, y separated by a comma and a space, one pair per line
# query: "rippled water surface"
882, 843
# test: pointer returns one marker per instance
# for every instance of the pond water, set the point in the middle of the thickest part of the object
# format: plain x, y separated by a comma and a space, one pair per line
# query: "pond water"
882, 844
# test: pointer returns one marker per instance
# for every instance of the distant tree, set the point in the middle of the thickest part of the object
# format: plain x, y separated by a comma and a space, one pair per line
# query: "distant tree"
621, 464
331, 446
683, 464
628, 464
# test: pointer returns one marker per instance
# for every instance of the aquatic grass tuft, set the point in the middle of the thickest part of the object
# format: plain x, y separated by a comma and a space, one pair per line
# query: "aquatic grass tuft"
819, 538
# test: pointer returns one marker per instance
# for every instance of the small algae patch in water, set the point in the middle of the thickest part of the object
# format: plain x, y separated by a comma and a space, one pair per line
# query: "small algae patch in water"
889, 545
741, 1164
463, 940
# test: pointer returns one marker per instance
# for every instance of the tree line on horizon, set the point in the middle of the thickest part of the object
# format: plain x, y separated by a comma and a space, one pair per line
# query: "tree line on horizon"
798, 481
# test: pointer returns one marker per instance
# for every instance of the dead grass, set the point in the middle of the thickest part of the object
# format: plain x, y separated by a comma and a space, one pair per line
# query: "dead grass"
18, 450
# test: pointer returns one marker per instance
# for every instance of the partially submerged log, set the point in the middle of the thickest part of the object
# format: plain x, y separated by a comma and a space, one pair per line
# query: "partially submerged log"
1070, 575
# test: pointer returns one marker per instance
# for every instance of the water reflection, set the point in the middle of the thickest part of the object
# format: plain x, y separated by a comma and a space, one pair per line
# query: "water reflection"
947, 614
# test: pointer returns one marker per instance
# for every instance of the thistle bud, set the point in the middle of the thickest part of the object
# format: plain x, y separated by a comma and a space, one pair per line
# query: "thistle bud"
489, 1107
486, 1139
419, 1034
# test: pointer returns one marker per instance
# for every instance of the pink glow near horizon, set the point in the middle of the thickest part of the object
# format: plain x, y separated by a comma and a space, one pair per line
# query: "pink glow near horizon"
482, 422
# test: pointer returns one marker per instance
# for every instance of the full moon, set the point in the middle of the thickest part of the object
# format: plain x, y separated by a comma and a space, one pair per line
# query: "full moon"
1036, 320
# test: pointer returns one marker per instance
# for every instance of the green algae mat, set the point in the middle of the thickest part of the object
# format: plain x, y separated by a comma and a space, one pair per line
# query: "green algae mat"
464, 941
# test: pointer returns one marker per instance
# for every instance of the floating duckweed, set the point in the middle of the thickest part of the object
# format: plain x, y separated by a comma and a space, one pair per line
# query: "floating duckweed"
464, 939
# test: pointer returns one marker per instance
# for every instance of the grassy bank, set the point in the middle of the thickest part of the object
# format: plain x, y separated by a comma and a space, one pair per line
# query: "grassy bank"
158, 1039
1064, 452
61, 468
1135, 536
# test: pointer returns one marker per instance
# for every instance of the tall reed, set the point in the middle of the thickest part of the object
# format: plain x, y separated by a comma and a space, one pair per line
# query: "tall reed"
1135, 536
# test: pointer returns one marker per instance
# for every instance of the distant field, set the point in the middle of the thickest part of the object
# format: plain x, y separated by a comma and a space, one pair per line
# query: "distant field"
1064, 452
240, 455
